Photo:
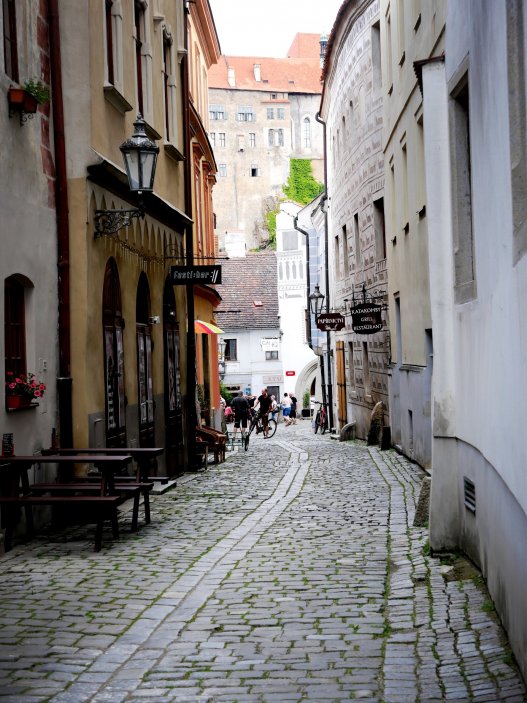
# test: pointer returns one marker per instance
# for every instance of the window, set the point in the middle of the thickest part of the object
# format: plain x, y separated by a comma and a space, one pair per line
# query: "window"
389, 55
337, 257
245, 114
280, 137
271, 355
464, 271
231, 350
270, 137
280, 113
168, 87
252, 139
366, 369
306, 133
345, 249
404, 185
221, 137
10, 42
109, 41
217, 112
379, 229
255, 171
358, 257
376, 55
212, 137
222, 170
270, 113
14, 326
139, 19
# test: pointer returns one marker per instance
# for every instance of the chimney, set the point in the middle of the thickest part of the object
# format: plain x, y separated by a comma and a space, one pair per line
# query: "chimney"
231, 78
257, 74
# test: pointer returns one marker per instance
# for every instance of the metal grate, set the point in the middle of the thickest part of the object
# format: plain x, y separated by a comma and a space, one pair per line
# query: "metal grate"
470, 495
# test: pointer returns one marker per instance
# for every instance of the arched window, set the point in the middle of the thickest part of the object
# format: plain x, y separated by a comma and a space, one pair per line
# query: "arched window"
145, 385
306, 133
113, 357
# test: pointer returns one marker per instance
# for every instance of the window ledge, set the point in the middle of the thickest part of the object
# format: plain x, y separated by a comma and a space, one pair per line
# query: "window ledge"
172, 151
116, 99
31, 406
151, 132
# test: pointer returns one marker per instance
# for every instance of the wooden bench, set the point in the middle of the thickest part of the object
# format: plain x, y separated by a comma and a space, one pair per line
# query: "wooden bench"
130, 489
17, 492
105, 509
216, 441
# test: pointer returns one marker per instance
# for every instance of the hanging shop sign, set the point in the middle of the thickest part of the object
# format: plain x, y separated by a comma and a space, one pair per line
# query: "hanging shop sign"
366, 318
331, 322
195, 274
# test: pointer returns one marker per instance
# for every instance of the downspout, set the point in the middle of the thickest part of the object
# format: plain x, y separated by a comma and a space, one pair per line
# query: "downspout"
308, 281
64, 380
191, 415
326, 271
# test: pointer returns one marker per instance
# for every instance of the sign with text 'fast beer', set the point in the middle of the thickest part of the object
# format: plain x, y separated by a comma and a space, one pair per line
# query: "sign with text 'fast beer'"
366, 318
195, 274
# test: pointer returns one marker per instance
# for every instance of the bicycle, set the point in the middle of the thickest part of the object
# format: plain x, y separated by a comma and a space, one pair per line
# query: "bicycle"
321, 418
256, 424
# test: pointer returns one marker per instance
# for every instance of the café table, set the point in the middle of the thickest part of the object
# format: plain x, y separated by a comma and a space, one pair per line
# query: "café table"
16, 491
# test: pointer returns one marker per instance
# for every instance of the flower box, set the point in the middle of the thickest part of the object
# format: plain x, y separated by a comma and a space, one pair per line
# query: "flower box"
21, 100
15, 402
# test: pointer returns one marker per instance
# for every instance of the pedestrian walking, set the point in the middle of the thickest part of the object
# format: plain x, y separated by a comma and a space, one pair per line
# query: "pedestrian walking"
240, 407
263, 405
286, 408
292, 414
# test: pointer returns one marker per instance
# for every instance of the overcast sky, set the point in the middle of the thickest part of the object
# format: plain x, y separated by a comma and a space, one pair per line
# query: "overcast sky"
268, 27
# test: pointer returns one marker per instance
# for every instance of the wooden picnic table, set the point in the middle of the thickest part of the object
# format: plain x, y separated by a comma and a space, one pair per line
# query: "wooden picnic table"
143, 456
16, 491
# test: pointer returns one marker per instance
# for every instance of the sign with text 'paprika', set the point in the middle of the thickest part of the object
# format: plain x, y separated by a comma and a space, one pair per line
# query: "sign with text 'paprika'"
331, 322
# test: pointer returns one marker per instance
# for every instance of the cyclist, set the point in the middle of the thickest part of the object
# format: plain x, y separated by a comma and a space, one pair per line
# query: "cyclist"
264, 404
240, 406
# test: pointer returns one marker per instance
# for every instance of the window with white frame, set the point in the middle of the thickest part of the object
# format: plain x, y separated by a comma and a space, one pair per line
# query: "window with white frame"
270, 113
212, 138
245, 114
252, 139
222, 170
221, 138
217, 112
271, 355
270, 137
231, 350
280, 113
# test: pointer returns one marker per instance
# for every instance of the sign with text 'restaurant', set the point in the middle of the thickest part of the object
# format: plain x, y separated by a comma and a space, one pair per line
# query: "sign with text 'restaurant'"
195, 274
331, 322
366, 318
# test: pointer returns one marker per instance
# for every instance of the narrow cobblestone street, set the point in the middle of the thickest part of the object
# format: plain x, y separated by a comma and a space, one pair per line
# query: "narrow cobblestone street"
291, 572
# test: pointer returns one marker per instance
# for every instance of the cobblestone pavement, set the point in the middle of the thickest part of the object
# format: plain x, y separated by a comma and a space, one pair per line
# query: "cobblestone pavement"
292, 572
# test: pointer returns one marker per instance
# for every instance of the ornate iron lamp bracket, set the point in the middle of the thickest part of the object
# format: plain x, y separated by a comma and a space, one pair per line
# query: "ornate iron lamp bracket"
108, 222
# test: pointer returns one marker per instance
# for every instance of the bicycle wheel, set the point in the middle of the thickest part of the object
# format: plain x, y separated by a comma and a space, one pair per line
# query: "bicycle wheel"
272, 428
317, 422
324, 426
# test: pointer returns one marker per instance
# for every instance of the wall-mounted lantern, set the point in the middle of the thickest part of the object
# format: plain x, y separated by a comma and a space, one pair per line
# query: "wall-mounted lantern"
140, 159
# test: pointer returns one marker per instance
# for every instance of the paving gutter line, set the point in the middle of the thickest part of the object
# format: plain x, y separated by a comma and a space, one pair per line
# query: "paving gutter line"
161, 623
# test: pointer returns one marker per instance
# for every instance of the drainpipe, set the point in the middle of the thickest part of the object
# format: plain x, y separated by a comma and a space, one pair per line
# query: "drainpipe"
326, 270
64, 380
308, 280
191, 415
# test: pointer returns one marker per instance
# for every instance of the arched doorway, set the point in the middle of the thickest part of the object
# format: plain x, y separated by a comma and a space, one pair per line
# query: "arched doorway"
145, 385
173, 401
113, 358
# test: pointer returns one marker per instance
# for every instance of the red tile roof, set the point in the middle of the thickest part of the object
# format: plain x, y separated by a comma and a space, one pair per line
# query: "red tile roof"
299, 74
247, 282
